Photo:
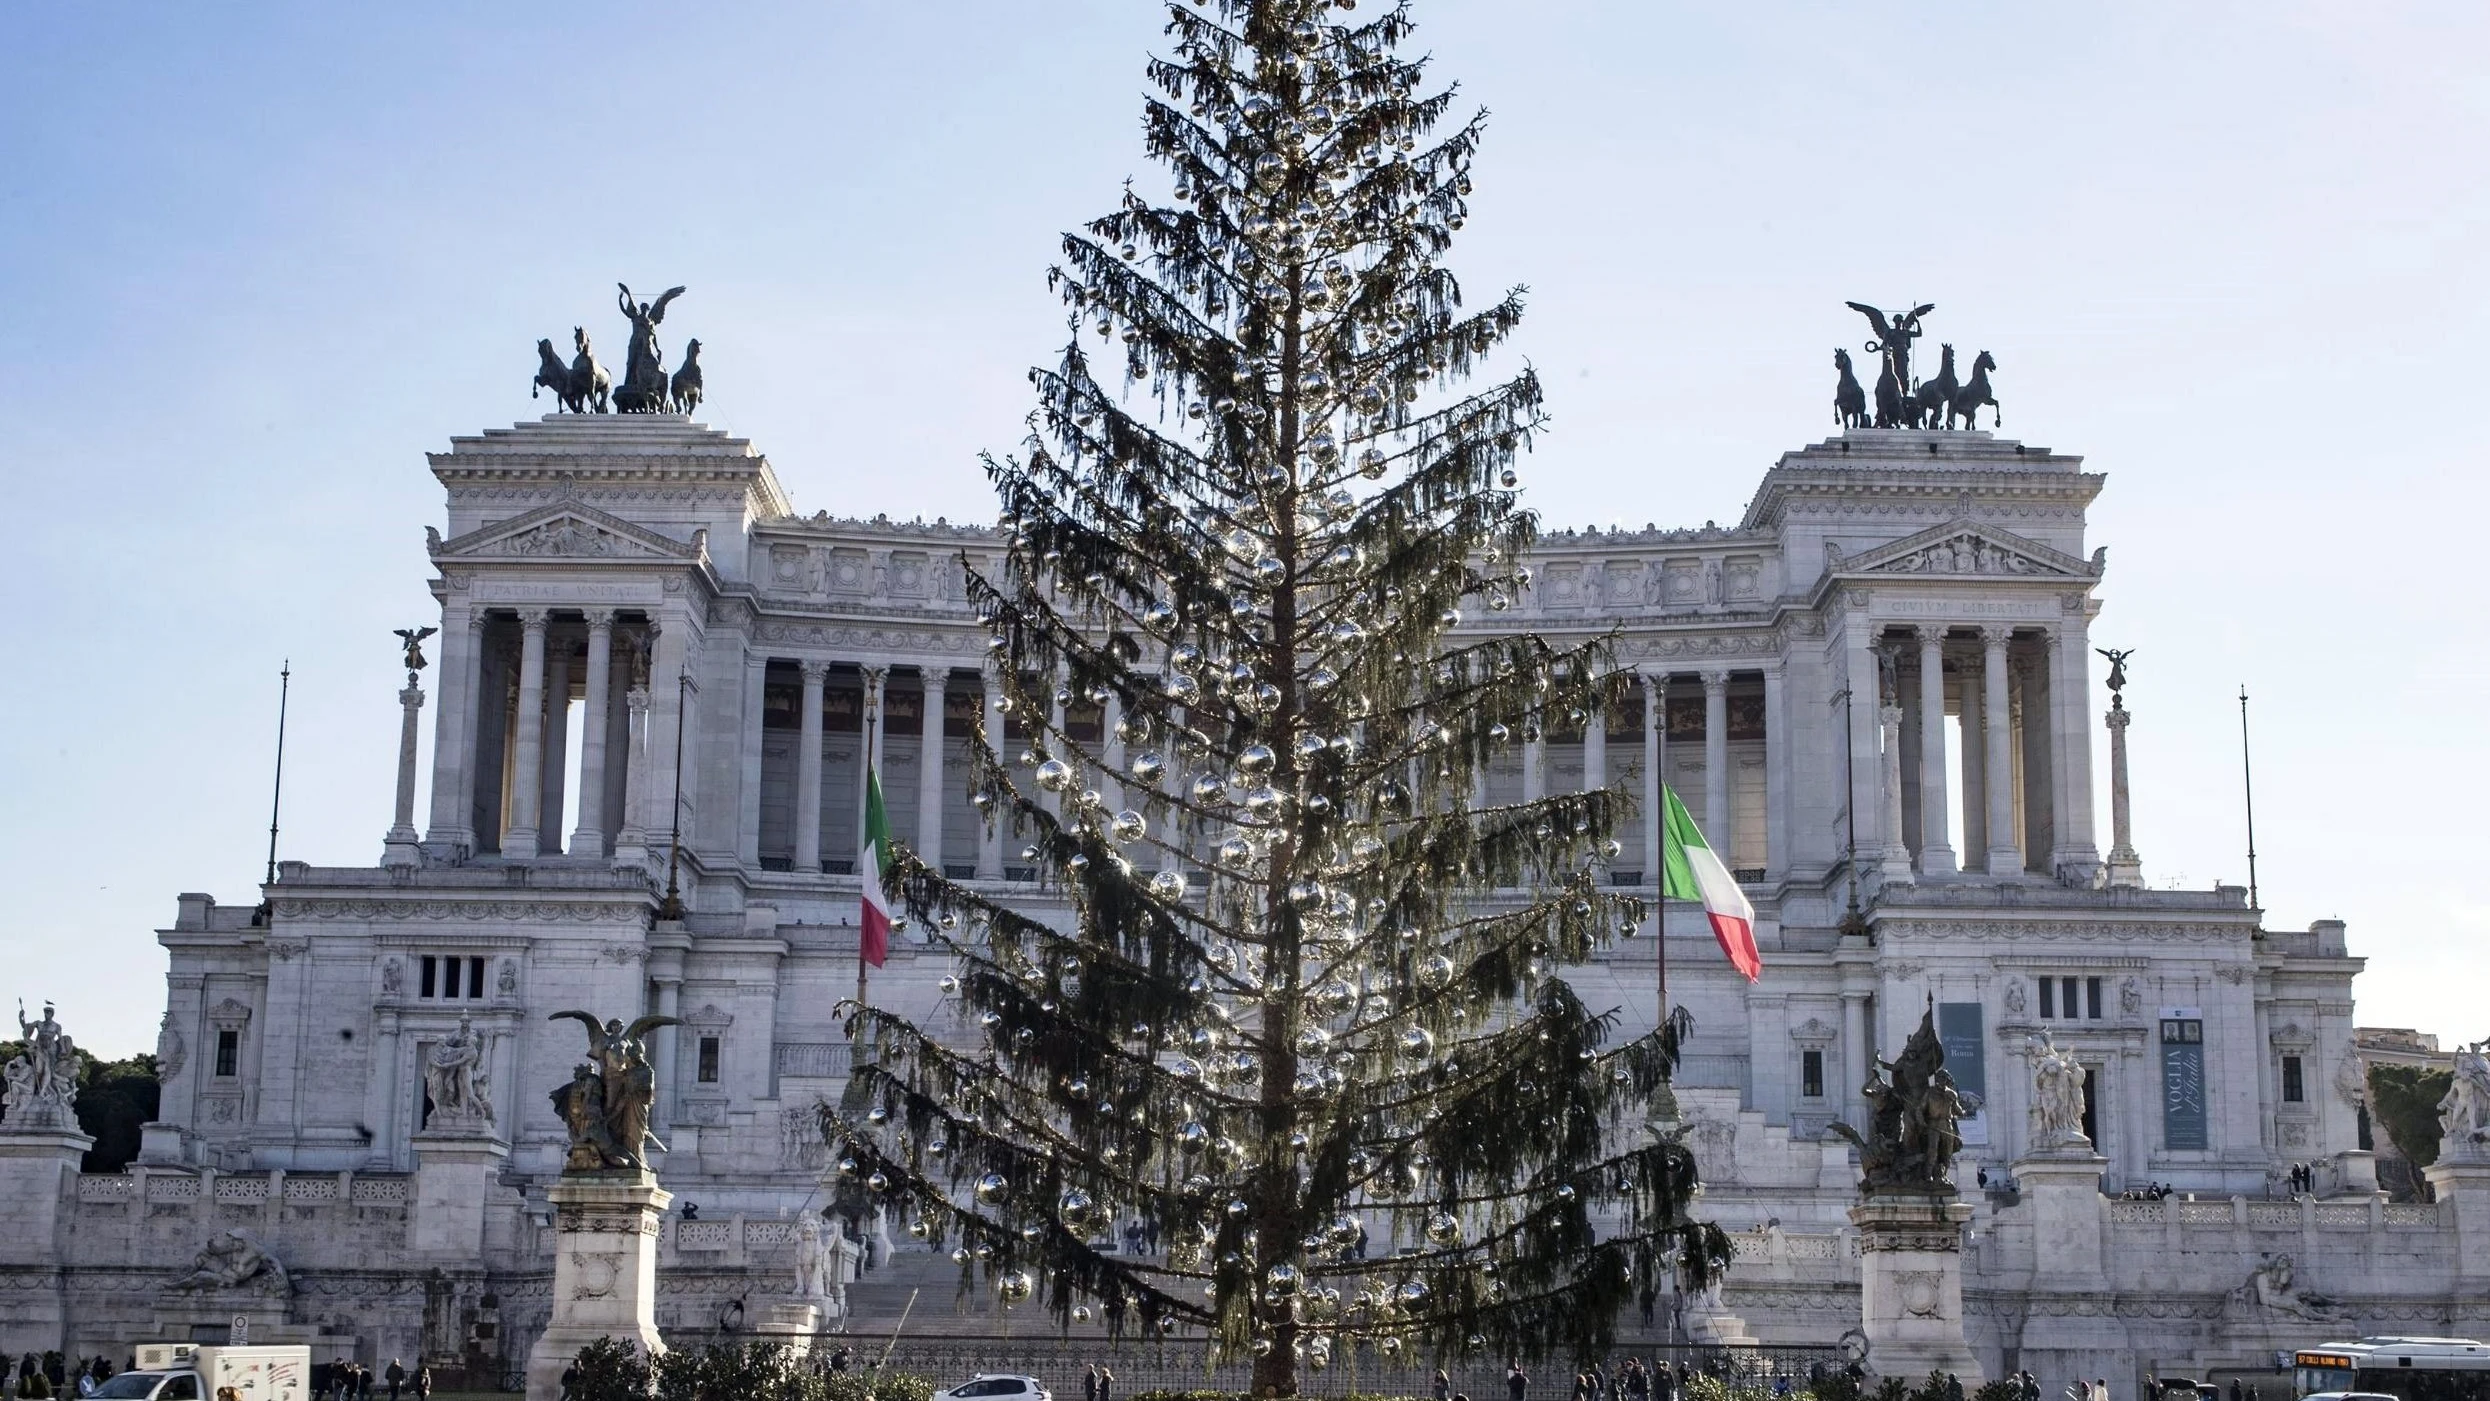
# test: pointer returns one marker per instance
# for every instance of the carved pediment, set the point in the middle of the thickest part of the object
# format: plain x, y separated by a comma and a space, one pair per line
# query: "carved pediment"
1960, 548
564, 530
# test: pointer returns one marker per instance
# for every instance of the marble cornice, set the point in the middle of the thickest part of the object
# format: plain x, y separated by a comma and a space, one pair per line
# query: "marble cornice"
369, 909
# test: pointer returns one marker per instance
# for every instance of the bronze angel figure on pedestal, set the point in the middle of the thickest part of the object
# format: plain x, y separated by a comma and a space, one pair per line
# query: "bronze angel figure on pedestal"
606, 1104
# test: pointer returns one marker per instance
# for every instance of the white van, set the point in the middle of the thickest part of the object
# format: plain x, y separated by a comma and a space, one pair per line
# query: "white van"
165, 1373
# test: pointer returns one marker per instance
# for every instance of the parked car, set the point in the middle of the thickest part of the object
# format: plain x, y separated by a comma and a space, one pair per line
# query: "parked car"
997, 1386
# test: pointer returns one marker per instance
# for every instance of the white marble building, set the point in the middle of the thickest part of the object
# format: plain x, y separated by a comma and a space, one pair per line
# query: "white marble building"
1889, 654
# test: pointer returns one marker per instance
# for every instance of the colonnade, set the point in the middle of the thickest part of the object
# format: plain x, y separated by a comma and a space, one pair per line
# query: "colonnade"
931, 782
2025, 788
500, 771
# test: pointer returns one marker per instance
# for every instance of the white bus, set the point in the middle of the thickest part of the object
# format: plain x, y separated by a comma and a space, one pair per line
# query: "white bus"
2416, 1369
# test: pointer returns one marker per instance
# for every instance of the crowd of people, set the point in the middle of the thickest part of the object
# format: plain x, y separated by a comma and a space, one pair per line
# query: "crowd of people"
352, 1381
2149, 1192
52, 1375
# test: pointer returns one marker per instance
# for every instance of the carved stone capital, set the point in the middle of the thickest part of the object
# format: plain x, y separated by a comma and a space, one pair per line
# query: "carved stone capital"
1995, 638
1715, 683
813, 670
1931, 634
533, 619
599, 619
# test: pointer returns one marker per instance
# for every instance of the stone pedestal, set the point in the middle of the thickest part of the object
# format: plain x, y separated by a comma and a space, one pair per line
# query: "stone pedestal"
1911, 1286
2356, 1169
792, 1324
604, 1270
38, 1180
2463, 1187
455, 1172
160, 1145
2062, 1196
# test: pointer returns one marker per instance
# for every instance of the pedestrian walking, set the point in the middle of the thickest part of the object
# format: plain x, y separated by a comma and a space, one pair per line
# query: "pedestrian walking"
570, 1380
1106, 1384
1089, 1383
423, 1382
1443, 1385
1516, 1381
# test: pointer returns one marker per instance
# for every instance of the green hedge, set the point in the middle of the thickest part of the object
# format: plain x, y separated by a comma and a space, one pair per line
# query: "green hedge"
747, 1371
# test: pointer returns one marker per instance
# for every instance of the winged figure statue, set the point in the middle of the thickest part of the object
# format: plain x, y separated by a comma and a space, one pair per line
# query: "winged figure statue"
606, 1104
1894, 337
644, 387
414, 640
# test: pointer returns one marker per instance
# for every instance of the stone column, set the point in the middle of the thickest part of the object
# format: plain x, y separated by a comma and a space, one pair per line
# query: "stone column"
604, 1270
929, 767
631, 841
990, 835
1655, 741
808, 769
748, 760
1861, 798
1897, 851
384, 1108
2005, 849
527, 789
1854, 1055
400, 848
1777, 749
669, 981
557, 747
1973, 786
1936, 846
669, 661
2125, 868
1535, 761
589, 838
454, 731
1595, 751
1716, 821
2070, 679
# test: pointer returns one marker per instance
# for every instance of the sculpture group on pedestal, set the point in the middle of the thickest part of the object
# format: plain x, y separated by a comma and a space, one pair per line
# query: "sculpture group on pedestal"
607, 1101
1914, 1126
2270, 1290
582, 386
457, 1082
1904, 402
2464, 1113
41, 1080
2057, 1097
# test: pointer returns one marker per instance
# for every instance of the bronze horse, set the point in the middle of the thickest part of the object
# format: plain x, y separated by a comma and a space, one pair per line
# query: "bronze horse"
1935, 396
686, 385
1967, 401
1849, 400
577, 384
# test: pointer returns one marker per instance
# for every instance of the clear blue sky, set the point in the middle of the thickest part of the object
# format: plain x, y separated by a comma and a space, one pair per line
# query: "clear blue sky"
255, 260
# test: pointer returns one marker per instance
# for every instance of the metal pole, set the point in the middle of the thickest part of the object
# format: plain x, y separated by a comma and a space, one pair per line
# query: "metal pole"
2248, 788
285, 687
863, 854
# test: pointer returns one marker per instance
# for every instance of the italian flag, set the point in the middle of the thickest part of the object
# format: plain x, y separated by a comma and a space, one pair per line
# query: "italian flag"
1690, 871
875, 946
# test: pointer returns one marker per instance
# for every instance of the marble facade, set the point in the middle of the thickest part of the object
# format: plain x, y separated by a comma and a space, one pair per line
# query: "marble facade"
1874, 687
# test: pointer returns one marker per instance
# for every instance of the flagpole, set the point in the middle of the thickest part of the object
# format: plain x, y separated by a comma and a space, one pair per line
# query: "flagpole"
2248, 789
864, 849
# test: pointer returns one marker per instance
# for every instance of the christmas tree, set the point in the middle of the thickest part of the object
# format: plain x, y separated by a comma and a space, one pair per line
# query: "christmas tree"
1308, 982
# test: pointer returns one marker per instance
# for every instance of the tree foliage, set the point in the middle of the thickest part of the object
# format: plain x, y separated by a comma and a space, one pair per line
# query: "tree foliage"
2405, 1100
1306, 975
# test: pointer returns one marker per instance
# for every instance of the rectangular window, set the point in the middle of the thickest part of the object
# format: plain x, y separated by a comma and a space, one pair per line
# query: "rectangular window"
708, 1060
228, 1052
2293, 1090
475, 978
2183, 1083
2066, 998
2092, 998
1811, 1074
449, 977
2048, 997
425, 984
